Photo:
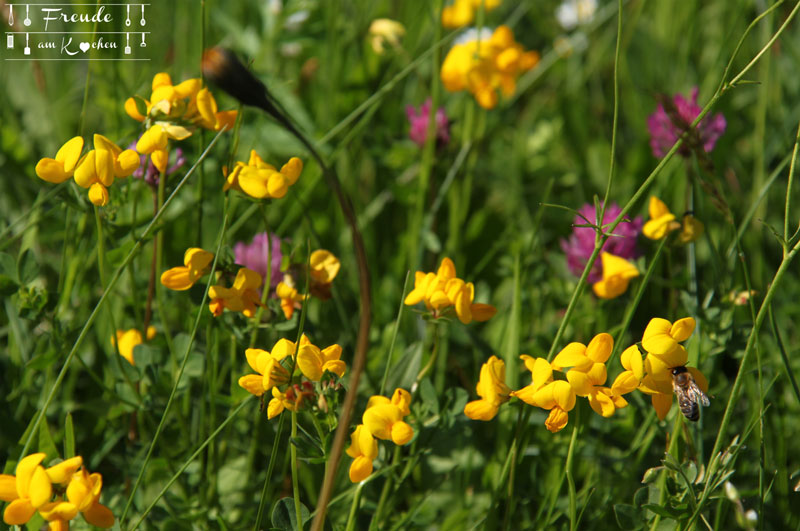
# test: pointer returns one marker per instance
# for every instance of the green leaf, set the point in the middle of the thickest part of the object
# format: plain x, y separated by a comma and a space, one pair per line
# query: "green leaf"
27, 268
306, 447
283, 515
46, 442
69, 437
664, 512
627, 516
8, 267
428, 394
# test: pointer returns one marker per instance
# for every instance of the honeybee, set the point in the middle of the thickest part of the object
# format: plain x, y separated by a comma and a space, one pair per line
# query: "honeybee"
688, 393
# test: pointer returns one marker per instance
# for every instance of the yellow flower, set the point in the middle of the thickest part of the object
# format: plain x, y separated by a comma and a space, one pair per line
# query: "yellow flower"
661, 337
180, 278
662, 221
27, 491
268, 366
128, 339
632, 376
363, 449
442, 290
385, 31
242, 297
261, 180
83, 495
324, 266
491, 388
313, 362
184, 104
289, 296
281, 401
484, 66
462, 12
384, 417
62, 167
617, 273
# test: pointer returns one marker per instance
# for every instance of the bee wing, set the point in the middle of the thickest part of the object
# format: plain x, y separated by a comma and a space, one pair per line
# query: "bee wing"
699, 395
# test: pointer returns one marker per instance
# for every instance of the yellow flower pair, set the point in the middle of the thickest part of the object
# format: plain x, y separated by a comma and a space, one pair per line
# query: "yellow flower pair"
662, 222
383, 419
443, 291
96, 170
31, 490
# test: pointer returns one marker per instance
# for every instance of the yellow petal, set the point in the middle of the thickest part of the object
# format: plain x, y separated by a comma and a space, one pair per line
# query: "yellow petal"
25, 470
253, 384
99, 515
692, 229
69, 153
564, 395
40, 488
625, 383
402, 433
662, 402
98, 194
447, 269
188, 88
631, 359
85, 172
292, 169
177, 278
379, 420
207, 107
682, 329
337, 367
58, 510
600, 347
481, 410
699, 378
677, 357
309, 360
656, 338
573, 355
283, 348
18, 512
580, 382
133, 110
482, 312
402, 398
556, 420
197, 258
602, 404
8, 487
542, 372
52, 171
597, 374
360, 469
152, 139
277, 185
253, 356
254, 182
246, 279
160, 158
127, 162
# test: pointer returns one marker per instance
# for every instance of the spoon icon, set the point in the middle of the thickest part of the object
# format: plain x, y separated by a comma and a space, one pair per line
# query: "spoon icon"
27, 20
128, 20
143, 44
143, 21
10, 14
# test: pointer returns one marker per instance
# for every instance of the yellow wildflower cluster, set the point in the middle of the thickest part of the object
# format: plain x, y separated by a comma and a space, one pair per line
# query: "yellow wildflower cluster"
312, 362
483, 66
383, 419
662, 222
324, 266
59, 493
462, 12
174, 112
96, 170
261, 180
128, 339
585, 377
654, 375
443, 291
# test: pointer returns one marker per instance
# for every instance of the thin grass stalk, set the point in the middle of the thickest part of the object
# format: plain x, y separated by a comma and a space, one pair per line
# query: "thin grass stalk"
298, 514
784, 356
201, 308
351, 516
394, 334
573, 496
789, 186
270, 467
615, 120
186, 463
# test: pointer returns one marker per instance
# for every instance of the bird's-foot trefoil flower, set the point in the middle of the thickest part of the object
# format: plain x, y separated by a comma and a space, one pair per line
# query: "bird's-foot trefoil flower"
384, 33
261, 180
617, 274
363, 449
128, 339
268, 366
28, 490
313, 362
662, 222
443, 292
491, 388
290, 298
485, 65
462, 12
196, 262
241, 297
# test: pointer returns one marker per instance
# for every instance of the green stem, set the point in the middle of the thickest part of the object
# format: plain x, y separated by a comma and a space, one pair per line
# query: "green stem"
434, 353
394, 334
573, 496
295, 476
611, 162
789, 184
351, 517
387, 487
273, 458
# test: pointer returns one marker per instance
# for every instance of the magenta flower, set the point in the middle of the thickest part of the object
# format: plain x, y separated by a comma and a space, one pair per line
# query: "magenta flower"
664, 133
580, 245
254, 256
419, 124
